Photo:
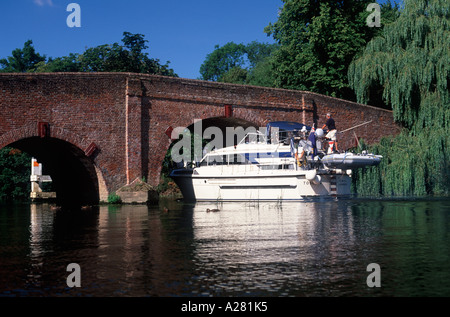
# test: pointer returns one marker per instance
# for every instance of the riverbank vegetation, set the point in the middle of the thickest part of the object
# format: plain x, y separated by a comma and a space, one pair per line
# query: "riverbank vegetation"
15, 171
407, 66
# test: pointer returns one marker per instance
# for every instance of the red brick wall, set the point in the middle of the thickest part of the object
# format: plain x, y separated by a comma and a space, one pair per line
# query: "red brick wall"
80, 109
127, 115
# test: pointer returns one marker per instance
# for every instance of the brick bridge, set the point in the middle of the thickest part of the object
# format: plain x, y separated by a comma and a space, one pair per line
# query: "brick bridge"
97, 132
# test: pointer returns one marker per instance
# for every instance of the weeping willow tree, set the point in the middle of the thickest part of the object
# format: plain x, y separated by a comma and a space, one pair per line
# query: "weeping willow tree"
408, 66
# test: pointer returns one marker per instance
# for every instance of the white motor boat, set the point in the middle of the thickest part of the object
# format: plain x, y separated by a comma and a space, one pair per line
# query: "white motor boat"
263, 168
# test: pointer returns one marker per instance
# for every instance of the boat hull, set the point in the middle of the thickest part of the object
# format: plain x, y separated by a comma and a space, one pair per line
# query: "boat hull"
293, 187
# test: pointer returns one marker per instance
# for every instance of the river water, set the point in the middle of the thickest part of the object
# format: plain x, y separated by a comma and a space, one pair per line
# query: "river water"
320, 249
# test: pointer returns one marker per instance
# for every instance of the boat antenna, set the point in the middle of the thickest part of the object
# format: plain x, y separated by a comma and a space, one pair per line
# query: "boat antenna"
356, 126
357, 140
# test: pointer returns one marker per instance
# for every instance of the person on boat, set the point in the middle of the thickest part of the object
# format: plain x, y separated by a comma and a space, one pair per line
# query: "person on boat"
312, 143
330, 124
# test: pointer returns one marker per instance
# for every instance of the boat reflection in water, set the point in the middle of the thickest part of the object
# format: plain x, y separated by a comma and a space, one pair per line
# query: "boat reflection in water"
283, 249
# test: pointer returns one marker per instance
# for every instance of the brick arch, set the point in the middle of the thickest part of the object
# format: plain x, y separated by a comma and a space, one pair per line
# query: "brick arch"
32, 130
83, 145
17, 134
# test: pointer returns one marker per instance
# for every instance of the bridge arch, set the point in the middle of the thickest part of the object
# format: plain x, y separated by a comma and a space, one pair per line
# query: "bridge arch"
223, 123
76, 177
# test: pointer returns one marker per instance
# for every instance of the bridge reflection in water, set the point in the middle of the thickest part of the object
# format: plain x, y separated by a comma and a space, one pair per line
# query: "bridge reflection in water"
247, 249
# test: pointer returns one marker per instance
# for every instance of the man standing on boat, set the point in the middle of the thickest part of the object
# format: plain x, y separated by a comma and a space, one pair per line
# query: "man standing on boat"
331, 135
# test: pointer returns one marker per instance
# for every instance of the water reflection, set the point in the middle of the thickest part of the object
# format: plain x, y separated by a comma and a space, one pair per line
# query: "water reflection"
229, 249
41, 235
289, 250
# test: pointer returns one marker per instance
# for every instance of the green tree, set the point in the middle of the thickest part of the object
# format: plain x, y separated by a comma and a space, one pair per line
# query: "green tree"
259, 52
14, 175
69, 63
261, 71
236, 75
239, 63
262, 74
22, 60
222, 60
318, 40
128, 57
409, 60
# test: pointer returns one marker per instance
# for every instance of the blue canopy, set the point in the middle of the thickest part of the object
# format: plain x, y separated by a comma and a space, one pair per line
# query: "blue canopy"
284, 127
287, 126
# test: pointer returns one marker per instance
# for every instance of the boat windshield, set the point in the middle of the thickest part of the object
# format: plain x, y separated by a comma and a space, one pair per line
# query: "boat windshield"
254, 138
225, 159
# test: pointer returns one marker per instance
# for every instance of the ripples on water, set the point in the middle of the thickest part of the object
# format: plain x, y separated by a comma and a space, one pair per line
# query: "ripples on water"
247, 249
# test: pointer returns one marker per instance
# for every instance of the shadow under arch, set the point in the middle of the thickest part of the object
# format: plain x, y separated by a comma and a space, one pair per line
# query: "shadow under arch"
74, 175
230, 137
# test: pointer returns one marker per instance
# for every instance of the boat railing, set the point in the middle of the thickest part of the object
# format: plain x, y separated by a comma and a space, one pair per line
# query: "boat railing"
260, 138
254, 138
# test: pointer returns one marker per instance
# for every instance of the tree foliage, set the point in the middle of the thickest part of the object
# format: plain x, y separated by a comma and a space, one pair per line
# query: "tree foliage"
14, 175
239, 63
318, 40
22, 60
409, 60
128, 57
222, 60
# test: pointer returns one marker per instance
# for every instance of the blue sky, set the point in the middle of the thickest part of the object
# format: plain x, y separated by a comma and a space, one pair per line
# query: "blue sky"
182, 32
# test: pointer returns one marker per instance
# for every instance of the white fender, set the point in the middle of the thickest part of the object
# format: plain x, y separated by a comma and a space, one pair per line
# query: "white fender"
313, 177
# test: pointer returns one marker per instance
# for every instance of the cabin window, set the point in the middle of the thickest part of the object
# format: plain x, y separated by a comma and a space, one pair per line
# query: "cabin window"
276, 167
217, 160
231, 159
